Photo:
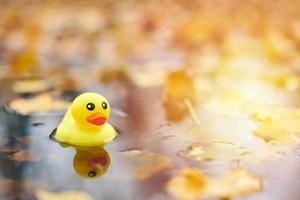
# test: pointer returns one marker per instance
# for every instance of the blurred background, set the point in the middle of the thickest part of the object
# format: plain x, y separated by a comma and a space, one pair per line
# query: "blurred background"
40, 36
204, 96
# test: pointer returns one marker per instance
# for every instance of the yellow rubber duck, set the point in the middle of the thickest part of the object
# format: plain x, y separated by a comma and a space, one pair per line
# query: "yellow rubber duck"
91, 163
85, 122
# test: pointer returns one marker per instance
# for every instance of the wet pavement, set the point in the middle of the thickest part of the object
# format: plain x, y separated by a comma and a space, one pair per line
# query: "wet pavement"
31, 161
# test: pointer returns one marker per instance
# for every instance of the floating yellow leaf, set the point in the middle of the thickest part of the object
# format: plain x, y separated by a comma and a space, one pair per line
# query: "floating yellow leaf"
67, 195
281, 124
179, 89
40, 103
237, 182
191, 184
188, 185
30, 86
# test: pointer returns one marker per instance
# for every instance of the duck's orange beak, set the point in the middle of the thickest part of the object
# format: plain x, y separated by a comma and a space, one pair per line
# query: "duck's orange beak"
96, 119
100, 160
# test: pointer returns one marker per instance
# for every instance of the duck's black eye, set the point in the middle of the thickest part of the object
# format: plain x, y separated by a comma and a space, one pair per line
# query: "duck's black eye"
104, 105
92, 173
90, 106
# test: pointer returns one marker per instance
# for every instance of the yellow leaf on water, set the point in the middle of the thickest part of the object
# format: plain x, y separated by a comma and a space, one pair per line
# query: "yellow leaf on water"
30, 86
280, 124
179, 89
236, 183
188, 185
191, 184
39, 103
67, 195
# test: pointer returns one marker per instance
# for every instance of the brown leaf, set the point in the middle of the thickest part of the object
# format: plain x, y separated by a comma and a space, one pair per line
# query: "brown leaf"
118, 73
23, 155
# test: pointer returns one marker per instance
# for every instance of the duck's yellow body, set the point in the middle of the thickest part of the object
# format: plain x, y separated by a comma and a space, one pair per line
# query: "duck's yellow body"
85, 122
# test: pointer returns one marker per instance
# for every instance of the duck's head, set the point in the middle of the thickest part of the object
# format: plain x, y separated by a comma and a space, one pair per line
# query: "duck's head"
90, 110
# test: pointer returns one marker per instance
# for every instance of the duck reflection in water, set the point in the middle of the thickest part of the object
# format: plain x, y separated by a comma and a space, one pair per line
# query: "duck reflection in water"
91, 163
